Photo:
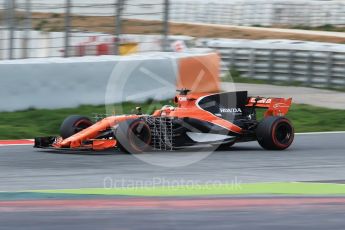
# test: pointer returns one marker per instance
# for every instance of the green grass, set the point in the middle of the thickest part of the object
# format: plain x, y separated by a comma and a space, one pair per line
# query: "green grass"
308, 118
326, 27
42, 122
216, 189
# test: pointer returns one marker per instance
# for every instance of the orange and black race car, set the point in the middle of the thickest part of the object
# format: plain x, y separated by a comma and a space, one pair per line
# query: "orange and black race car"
220, 119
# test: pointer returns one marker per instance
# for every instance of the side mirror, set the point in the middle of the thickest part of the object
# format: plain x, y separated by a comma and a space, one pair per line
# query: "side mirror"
183, 92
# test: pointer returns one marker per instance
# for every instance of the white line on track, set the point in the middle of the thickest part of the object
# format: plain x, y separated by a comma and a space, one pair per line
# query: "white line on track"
319, 133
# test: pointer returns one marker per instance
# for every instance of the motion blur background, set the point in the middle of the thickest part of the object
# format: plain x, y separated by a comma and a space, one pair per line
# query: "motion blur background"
248, 40
56, 59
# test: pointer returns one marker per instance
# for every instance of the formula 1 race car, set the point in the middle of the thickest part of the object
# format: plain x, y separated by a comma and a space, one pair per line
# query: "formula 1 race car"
220, 120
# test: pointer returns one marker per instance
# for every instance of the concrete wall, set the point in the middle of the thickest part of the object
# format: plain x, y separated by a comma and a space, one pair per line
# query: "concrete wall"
60, 83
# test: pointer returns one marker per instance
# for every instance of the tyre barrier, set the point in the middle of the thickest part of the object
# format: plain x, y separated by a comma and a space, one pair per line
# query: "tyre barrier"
295, 62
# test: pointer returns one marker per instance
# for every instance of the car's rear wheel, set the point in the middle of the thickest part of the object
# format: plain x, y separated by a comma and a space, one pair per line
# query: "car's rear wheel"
134, 136
275, 133
74, 124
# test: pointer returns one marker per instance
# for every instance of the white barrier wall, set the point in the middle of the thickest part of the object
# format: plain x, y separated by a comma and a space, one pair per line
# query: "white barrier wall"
229, 12
60, 83
260, 12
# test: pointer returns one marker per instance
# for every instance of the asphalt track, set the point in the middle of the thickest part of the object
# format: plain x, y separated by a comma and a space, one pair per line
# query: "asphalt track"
276, 214
317, 157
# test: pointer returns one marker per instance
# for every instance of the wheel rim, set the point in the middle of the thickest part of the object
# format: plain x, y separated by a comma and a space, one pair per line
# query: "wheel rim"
81, 125
140, 136
283, 133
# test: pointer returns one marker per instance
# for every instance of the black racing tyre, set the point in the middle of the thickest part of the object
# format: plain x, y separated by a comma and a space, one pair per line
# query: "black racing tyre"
74, 124
134, 136
275, 133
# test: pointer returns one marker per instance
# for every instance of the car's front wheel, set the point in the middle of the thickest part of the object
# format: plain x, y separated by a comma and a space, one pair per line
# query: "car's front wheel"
74, 124
134, 136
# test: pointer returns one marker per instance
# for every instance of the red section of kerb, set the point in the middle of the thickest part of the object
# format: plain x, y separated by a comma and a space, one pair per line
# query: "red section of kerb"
151, 203
16, 142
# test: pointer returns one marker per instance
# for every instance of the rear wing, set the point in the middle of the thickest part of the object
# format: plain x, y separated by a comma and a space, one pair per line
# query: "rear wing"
275, 106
